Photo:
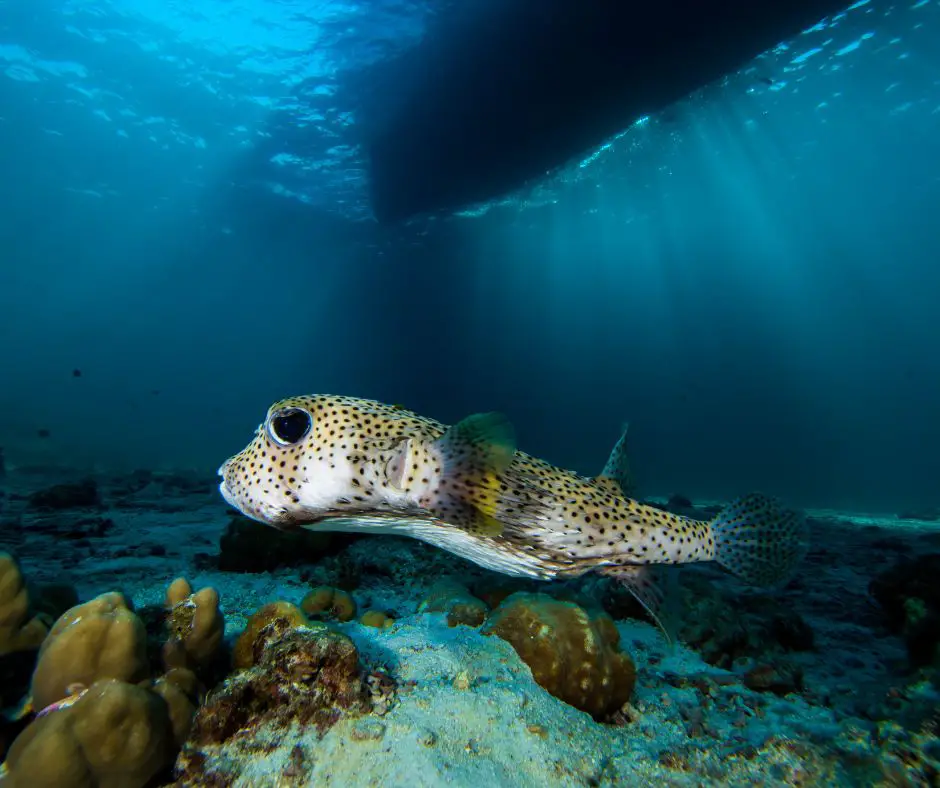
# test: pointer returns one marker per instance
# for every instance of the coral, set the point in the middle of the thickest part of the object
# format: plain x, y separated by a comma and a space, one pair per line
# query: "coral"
67, 496
247, 546
265, 625
908, 578
574, 655
112, 735
21, 638
330, 603
382, 690
377, 619
16, 632
909, 595
289, 671
921, 633
305, 676
179, 689
909, 754
101, 722
195, 626
461, 607
752, 626
100, 639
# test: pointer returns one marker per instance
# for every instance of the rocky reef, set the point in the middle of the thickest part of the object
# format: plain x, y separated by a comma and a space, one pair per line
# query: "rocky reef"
148, 638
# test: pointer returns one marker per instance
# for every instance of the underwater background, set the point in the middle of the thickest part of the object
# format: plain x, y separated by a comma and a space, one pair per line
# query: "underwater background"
748, 278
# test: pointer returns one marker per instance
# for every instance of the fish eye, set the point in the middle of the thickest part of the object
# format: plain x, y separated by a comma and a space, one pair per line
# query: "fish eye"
289, 426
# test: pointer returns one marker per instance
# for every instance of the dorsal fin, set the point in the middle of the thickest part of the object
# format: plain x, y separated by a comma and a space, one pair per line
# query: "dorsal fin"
610, 485
616, 476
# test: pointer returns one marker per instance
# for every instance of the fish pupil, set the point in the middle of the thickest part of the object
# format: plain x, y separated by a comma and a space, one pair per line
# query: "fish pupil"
290, 426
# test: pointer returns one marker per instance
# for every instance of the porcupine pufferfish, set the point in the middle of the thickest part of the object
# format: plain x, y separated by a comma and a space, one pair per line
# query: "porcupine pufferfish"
333, 463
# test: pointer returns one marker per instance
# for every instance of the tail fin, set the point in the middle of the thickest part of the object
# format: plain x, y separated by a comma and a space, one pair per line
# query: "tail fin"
758, 540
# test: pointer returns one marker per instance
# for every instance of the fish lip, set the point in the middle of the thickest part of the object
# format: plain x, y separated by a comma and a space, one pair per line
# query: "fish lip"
226, 493
278, 518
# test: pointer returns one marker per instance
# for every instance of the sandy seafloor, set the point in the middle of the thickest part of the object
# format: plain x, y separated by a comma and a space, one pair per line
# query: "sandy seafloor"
467, 710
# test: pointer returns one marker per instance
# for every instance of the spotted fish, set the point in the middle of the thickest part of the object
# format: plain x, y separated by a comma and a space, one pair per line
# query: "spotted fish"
335, 463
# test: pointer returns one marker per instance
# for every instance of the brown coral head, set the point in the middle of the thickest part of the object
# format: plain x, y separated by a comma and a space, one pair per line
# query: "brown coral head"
267, 624
572, 654
329, 602
306, 676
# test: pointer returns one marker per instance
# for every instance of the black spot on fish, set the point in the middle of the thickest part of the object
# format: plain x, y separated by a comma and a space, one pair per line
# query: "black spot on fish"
42, 432
76, 373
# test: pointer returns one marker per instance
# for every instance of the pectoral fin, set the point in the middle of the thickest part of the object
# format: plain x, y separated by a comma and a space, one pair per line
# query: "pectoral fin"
474, 455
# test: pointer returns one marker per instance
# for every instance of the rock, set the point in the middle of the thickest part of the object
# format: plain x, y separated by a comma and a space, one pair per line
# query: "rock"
67, 496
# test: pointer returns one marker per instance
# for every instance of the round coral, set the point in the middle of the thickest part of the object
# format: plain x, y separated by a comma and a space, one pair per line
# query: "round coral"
452, 598
113, 734
572, 654
268, 623
307, 676
377, 619
329, 602
100, 639
196, 626
16, 632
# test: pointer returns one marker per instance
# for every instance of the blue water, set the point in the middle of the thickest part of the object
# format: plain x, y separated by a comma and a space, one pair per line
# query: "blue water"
749, 278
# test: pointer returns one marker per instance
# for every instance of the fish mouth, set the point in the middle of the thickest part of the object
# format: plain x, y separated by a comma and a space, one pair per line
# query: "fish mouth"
224, 490
227, 494
274, 516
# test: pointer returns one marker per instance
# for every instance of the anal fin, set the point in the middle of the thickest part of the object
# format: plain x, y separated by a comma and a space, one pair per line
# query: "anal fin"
656, 588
